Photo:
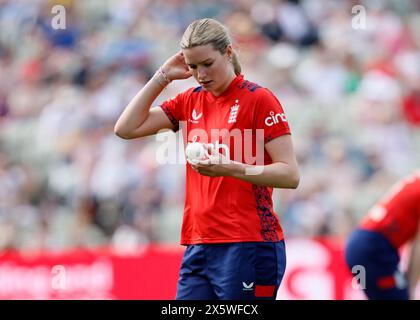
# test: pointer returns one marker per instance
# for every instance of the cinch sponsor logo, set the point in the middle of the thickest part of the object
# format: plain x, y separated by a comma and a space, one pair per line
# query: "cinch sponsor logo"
275, 118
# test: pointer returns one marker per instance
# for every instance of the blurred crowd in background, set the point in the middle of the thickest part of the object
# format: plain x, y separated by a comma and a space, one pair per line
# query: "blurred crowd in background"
351, 94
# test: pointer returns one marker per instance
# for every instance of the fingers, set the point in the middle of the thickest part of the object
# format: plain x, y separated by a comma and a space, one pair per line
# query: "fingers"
201, 167
192, 162
208, 147
198, 165
211, 150
180, 56
204, 163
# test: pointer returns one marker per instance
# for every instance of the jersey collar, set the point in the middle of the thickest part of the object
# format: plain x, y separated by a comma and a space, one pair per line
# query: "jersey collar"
228, 90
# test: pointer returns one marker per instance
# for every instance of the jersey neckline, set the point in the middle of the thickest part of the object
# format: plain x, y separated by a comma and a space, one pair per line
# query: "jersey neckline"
228, 90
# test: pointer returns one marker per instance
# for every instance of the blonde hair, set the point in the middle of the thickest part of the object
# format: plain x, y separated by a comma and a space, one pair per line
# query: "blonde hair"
209, 31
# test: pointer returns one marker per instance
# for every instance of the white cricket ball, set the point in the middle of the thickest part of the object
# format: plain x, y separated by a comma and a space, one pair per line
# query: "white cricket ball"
195, 151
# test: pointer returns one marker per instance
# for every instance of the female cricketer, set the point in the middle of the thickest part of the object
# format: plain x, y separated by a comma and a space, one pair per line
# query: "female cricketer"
235, 245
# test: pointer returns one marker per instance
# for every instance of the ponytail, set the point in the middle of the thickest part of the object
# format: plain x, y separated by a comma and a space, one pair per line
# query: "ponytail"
236, 65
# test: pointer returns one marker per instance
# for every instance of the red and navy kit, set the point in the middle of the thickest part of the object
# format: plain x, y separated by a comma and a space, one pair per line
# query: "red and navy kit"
397, 215
391, 223
227, 209
235, 247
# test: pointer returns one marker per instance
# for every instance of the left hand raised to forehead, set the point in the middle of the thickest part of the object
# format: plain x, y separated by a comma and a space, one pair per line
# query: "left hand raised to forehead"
216, 165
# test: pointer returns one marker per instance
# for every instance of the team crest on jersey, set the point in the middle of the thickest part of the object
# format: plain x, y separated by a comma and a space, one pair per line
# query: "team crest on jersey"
233, 112
195, 117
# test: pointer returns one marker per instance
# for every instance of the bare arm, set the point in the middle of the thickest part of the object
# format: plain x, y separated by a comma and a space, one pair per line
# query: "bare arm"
413, 272
132, 122
282, 173
137, 120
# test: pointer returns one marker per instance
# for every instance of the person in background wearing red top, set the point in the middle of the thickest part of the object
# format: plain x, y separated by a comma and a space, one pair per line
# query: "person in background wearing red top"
235, 246
411, 104
390, 224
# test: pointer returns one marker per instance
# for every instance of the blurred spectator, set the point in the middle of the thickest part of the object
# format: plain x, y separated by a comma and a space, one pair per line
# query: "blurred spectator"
411, 104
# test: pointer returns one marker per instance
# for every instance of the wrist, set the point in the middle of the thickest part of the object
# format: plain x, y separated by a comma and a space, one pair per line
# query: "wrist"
237, 169
165, 73
162, 77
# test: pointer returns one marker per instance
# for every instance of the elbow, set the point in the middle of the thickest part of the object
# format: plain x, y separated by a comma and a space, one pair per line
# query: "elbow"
291, 182
294, 179
120, 133
289, 179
